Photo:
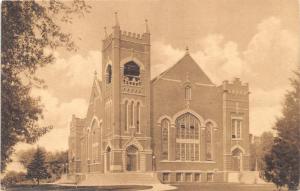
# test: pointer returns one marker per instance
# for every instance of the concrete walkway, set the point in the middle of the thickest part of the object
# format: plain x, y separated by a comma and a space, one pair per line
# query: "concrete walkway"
160, 187
155, 187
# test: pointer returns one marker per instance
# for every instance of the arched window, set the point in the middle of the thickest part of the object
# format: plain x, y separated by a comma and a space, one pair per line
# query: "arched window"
88, 144
187, 138
188, 93
108, 114
131, 73
236, 128
126, 115
131, 114
108, 74
208, 141
165, 139
131, 69
94, 142
138, 117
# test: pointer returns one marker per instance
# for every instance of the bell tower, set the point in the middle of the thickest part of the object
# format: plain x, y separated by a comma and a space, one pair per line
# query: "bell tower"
126, 100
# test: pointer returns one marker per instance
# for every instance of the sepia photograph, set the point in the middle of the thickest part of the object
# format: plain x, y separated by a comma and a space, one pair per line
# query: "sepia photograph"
151, 95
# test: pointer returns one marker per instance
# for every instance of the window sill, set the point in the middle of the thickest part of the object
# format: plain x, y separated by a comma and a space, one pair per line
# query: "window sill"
186, 161
236, 139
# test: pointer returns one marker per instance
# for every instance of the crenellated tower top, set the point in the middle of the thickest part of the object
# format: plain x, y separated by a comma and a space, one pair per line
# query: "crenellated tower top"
117, 33
236, 87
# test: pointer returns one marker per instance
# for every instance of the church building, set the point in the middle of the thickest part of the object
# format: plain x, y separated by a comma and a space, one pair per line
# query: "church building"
179, 125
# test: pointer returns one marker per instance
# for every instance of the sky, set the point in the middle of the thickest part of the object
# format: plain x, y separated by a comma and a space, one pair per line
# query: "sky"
257, 41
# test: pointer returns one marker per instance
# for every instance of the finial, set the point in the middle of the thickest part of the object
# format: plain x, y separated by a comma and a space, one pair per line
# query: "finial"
116, 19
147, 27
105, 32
187, 50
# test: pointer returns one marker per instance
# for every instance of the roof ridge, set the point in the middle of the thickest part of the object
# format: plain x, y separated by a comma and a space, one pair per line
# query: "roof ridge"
186, 56
168, 69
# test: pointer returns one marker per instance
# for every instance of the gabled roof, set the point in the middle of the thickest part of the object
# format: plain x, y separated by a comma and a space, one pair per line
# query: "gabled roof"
185, 68
96, 89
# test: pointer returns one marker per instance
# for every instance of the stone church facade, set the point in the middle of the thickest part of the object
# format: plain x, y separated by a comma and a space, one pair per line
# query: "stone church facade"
179, 125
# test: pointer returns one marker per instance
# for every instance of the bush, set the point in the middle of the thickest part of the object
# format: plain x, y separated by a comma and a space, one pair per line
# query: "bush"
12, 178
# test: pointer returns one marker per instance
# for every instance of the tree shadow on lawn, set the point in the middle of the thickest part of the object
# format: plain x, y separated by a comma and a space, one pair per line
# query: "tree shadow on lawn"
51, 187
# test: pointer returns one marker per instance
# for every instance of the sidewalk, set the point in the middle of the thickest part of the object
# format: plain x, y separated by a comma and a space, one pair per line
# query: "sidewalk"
161, 187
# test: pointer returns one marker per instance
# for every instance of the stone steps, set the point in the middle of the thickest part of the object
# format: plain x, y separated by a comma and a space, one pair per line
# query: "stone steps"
246, 177
251, 177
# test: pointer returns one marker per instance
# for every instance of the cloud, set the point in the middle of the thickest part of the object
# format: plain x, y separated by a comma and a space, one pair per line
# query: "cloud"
221, 60
79, 69
70, 77
266, 63
163, 57
59, 113
272, 54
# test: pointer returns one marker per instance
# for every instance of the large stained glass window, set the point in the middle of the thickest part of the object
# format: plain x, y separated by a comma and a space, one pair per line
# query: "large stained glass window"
187, 138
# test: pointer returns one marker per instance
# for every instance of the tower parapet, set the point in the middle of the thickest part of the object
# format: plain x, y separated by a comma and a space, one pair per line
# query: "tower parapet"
134, 37
117, 33
236, 87
127, 36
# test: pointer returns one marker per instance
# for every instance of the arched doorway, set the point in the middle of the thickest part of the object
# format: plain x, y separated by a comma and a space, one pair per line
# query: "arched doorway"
107, 159
237, 159
131, 158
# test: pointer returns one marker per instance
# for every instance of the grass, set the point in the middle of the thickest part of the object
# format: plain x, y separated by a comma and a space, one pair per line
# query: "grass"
225, 187
52, 187
183, 187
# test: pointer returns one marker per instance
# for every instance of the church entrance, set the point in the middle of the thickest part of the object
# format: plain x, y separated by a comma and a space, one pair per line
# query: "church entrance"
107, 159
236, 160
131, 158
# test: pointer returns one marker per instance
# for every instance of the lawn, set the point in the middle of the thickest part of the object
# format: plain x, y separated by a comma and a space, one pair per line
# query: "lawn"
51, 187
186, 187
225, 187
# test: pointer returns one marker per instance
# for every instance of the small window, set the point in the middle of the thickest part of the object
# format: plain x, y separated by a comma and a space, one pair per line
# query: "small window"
236, 128
164, 139
188, 93
208, 141
178, 177
166, 177
197, 177
209, 177
108, 74
138, 117
126, 115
